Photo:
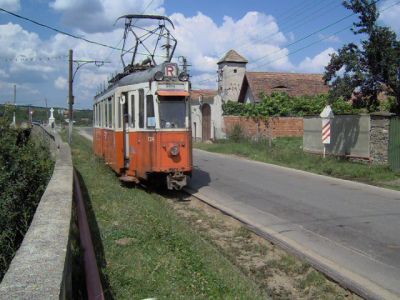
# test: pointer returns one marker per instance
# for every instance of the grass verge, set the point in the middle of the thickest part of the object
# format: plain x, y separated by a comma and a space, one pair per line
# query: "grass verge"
288, 152
144, 249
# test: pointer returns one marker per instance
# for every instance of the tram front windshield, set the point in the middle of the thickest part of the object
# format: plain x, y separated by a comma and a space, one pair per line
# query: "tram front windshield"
172, 111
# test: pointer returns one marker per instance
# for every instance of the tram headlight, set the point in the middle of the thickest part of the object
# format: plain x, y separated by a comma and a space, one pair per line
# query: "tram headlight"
183, 76
158, 76
174, 150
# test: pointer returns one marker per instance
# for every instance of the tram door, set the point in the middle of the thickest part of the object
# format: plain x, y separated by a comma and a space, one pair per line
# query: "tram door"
125, 103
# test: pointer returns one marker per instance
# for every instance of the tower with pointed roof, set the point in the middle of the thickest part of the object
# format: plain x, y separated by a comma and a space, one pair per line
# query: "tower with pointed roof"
231, 70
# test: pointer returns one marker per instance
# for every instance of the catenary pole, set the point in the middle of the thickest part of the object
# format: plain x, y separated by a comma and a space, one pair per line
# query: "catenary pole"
70, 96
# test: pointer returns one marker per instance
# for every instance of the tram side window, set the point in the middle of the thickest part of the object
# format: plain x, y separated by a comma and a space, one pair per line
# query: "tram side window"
141, 108
101, 114
110, 113
119, 112
132, 120
107, 112
151, 120
97, 114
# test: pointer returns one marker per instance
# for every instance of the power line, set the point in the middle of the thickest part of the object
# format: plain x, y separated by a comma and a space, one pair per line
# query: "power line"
296, 9
312, 17
320, 40
23, 58
311, 34
303, 8
305, 47
64, 32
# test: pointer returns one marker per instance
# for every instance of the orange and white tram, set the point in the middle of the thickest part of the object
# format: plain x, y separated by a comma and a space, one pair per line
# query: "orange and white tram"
142, 126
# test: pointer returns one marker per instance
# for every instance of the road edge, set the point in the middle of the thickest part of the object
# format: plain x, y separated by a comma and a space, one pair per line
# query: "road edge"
346, 278
307, 173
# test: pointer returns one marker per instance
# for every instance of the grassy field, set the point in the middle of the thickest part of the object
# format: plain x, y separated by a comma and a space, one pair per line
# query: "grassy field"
144, 249
289, 152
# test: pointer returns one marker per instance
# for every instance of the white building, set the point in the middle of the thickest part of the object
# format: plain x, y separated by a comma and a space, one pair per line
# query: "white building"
236, 84
207, 121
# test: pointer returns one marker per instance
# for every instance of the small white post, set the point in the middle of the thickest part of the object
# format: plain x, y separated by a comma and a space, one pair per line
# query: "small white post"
326, 116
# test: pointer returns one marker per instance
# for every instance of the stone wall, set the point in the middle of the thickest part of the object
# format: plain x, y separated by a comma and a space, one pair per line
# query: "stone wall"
379, 137
274, 126
41, 266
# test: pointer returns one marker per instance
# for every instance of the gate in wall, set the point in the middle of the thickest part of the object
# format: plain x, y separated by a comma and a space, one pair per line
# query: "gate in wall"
206, 122
394, 144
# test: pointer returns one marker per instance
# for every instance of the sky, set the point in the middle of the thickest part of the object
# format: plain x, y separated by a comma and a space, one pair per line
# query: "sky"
273, 35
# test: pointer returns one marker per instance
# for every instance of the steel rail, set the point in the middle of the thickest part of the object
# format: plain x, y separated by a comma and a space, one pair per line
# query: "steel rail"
92, 276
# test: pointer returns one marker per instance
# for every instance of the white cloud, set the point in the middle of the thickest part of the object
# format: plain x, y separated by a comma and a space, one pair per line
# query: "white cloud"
203, 42
201, 39
390, 17
317, 63
204, 81
12, 5
4, 74
7, 88
60, 83
100, 15
25, 48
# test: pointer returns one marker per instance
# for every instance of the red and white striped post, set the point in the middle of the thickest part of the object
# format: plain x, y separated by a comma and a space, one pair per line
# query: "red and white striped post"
327, 116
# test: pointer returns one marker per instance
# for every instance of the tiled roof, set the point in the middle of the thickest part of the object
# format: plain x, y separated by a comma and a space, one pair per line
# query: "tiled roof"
294, 84
207, 94
232, 56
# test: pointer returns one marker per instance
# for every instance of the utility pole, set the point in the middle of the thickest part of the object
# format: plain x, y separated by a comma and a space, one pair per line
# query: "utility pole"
71, 76
70, 96
15, 100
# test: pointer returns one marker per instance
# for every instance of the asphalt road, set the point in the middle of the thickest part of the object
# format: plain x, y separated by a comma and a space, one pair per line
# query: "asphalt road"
349, 228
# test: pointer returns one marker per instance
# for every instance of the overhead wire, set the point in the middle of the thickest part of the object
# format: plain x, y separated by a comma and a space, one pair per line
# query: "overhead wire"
306, 37
320, 40
63, 32
313, 16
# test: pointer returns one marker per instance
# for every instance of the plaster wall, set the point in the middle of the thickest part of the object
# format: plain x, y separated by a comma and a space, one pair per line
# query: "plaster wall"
231, 78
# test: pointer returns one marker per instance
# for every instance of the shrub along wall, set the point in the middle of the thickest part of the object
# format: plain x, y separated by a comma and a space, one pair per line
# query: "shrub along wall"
25, 168
283, 105
276, 115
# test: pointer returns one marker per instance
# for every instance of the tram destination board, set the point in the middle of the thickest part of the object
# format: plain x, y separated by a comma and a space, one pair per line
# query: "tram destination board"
171, 86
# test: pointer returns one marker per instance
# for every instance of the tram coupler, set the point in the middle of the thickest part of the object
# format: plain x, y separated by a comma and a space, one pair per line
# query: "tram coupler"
176, 181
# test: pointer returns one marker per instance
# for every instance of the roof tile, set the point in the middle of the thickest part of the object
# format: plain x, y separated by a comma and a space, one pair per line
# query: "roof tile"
294, 84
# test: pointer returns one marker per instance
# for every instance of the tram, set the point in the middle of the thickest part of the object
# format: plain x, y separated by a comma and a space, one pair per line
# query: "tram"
142, 122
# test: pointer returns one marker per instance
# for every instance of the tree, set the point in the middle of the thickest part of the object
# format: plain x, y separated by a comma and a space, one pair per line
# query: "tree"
371, 67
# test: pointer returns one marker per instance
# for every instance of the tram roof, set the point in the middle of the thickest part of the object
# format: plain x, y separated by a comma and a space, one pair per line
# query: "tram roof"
136, 77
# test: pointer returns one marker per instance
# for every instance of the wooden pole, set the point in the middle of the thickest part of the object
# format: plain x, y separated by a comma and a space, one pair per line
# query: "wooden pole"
70, 96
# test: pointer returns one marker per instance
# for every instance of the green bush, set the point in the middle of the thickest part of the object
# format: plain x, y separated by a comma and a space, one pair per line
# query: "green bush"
283, 105
236, 135
25, 167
